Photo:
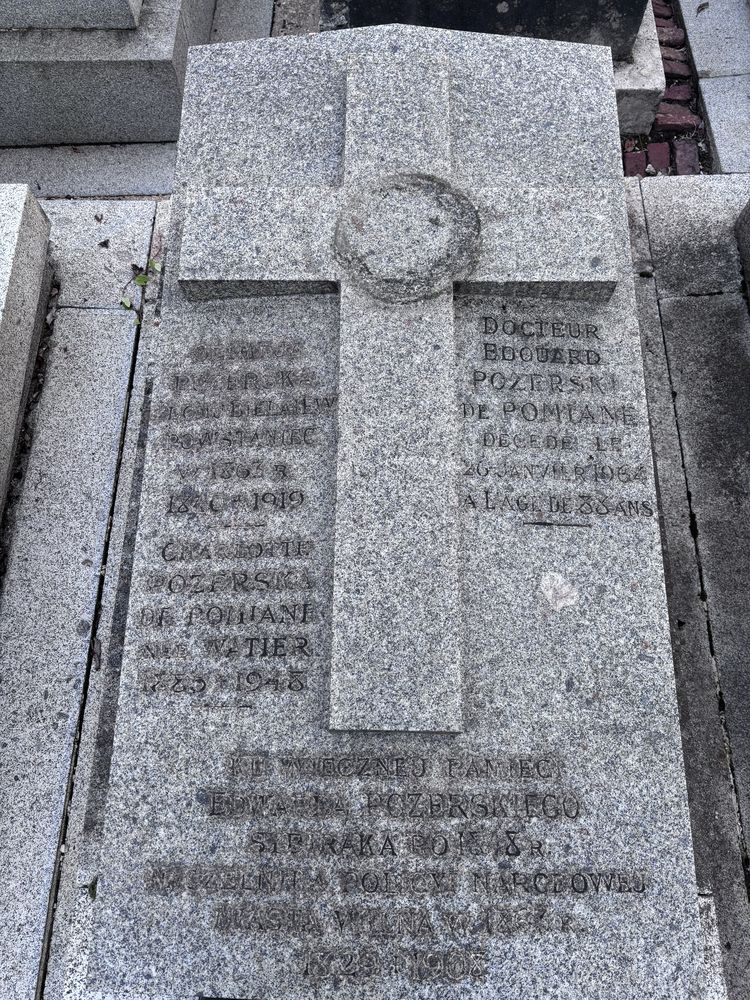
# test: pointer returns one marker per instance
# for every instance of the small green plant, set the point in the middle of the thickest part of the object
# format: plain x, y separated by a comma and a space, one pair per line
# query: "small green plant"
141, 278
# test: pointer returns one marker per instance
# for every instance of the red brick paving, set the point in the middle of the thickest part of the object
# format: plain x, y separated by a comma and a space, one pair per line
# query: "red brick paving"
670, 34
662, 10
658, 156
679, 69
679, 92
635, 164
676, 118
686, 156
677, 140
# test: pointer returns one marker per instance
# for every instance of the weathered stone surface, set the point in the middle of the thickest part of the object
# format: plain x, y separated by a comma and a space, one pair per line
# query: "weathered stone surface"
698, 382
66, 968
24, 282
592, 21
640, 247
47, 607
91, 171
714, 436
95, 246
713, 807
640, 80
107, 14
238, 20
727, 104
287, 853
718, 35
100, 86
671, 35
296, 17
691, 223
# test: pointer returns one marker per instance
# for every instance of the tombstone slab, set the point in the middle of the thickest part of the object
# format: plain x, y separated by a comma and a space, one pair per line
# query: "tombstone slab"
107, 14
77, 87
24, 281
599, 22
397, 709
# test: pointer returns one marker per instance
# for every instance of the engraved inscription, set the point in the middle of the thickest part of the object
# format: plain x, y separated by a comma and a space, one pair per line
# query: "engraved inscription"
368, 863
549, 410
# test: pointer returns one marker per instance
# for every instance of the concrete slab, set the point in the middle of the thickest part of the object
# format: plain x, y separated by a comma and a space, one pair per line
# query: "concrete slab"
691, 226
727, 104
713, 811
75, 87
24, 283
708, 345
91, 171
66, 970
640, 82
697, 367
95, 246
718, 34
47, 607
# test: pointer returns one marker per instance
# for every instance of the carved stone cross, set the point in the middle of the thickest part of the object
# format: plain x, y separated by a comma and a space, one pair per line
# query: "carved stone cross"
396, 235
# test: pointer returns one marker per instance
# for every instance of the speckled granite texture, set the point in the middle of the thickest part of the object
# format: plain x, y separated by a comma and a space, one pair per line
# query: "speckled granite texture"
251, 848
24, 281
47, 607
73, 86
106, 14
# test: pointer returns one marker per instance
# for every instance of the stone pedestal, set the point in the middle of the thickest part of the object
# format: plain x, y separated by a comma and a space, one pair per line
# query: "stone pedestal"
100, 86
106, 14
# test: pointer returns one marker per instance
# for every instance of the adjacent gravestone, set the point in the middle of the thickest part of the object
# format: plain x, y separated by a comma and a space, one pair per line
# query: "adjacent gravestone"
24, 281
397, 710
600, 22
103, 86
107, 14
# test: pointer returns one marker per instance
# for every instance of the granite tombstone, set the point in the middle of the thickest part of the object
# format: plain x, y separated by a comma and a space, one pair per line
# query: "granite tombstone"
397, 708
600, 22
